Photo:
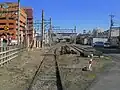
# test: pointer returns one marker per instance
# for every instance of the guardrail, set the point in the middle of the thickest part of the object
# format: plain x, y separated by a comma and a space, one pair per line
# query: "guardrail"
8, 53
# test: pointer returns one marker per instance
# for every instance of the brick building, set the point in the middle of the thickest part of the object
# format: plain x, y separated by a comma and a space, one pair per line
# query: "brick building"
29, 12
9, 18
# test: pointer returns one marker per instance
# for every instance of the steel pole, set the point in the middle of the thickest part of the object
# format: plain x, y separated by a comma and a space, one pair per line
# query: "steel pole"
111, 25
18, 32
75, 34
110, 34
50, 32
119, 37
26, 35
42, 29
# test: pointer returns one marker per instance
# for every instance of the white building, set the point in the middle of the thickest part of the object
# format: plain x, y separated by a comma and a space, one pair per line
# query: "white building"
64, 36
96, 31
115, 32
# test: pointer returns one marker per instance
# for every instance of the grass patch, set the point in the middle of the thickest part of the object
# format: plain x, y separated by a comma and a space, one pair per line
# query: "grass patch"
77, 78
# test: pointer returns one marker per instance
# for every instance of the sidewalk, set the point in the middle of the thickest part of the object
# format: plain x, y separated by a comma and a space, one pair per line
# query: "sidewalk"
18, 73
110, 80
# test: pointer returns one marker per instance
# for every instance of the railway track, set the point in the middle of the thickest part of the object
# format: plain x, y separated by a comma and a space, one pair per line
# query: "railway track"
86, 51
82, 52
47, 76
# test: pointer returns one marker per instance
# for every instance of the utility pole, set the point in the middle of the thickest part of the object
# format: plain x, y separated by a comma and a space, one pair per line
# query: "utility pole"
50, 33
75, 34
26, 34
26, 42
42, 29
111, 25
119, 38
119, 31
18, 32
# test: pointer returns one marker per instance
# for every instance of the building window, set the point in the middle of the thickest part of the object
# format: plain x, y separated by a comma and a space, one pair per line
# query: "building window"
30, 22
20, 21
11, 23
3, 18
13, 6
11, 28
22, 26
4, 11
24, 23
30, 18
11, 18
1, 28
2, 23
12, 12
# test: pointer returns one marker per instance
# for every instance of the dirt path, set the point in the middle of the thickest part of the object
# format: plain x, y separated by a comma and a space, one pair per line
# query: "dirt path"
18, 73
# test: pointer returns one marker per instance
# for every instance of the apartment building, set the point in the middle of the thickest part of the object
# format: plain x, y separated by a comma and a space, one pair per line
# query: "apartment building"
30, 31
9, 18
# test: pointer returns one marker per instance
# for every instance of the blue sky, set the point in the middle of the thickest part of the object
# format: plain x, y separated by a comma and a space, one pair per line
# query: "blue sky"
85, 14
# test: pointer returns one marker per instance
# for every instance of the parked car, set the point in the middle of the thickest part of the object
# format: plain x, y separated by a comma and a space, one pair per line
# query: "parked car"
107, 45
98, 44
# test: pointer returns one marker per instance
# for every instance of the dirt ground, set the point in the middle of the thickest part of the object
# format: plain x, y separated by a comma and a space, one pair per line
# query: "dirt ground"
72, 76
110, 79
17, 74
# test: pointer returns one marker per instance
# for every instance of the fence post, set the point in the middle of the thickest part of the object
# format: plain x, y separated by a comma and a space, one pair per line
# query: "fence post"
1, 44
37, 44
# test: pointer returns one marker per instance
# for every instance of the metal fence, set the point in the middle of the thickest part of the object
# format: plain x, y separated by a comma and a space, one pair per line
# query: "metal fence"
10, 52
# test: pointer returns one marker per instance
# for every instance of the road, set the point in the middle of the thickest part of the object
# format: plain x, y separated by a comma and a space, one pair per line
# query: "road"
109, 50
109, 80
